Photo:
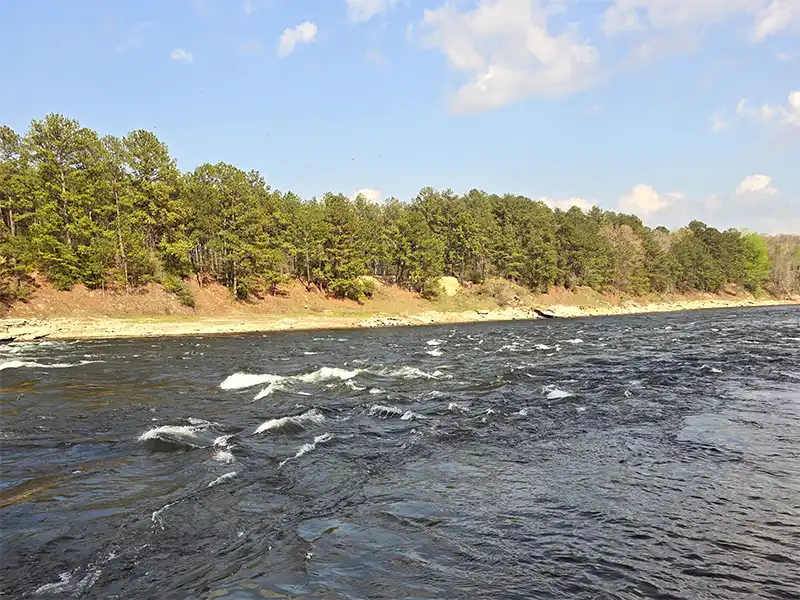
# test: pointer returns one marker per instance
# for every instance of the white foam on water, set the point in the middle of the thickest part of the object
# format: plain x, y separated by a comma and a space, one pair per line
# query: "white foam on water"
239, 381
308, 418
412, 416
185, 435
435, 342
280, 382
222, 441
455, 407
383, 411
523, 412
489, 412
542, 347
223, 478
574, 341
306, 448
434, 352
88, 581
375, 391
275, 386
310, 353
19, 364
326, 374
555, 393
223, 453
352, 385
712, 369
54, 588
157, 516
223, 456
406, 372
580, 409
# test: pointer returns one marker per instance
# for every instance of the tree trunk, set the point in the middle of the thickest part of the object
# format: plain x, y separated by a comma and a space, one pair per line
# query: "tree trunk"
308, 271
11, 222
235, 281
64, 204
122, 254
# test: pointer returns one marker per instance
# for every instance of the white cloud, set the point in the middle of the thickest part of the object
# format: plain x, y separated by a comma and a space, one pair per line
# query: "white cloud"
508, 52
247, 7
565, 205
776, 17
644, 200
360, 11
769, 17
782, 116
182, 55
369, 194
304, 33
719, 123
756, 184
783, 56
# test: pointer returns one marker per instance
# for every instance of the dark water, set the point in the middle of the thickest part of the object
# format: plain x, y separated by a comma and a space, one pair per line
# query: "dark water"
647, 456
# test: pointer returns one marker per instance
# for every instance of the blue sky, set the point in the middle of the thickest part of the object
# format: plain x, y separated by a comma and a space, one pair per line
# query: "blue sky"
672, 109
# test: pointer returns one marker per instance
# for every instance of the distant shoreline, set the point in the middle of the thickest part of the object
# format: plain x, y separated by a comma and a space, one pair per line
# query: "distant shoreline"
78, 328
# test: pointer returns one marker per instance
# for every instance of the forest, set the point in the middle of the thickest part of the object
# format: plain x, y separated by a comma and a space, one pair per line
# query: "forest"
117, 214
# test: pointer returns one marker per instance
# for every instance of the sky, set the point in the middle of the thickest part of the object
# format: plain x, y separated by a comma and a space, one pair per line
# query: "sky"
669, 109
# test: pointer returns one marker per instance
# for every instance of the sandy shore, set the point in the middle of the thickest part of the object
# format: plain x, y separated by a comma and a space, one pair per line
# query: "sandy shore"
100, 328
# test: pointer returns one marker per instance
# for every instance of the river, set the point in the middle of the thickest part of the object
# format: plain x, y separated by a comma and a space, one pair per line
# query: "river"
650, 456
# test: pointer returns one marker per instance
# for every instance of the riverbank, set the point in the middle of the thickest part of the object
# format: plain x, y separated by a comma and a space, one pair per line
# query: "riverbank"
68, 328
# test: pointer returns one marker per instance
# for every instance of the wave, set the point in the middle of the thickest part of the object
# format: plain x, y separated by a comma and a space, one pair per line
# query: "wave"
555, 393
293, 423
275, 386
223, 453
239, 381
167, 438
326, 374
223, 478
406, 372
434, 352
54, 588
435, 342
412, 416
457, 408
279, 382
306, 448
380, 410
19, 364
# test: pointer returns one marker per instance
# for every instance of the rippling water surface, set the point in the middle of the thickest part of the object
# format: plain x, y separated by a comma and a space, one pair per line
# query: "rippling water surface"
645, 456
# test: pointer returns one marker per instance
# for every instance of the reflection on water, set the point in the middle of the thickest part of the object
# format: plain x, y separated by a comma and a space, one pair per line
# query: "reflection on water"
648, 456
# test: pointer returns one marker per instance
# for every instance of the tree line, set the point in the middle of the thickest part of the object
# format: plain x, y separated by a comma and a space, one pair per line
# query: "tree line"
117, 214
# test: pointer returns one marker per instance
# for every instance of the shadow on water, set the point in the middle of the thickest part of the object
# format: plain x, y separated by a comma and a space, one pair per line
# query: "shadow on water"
649, 456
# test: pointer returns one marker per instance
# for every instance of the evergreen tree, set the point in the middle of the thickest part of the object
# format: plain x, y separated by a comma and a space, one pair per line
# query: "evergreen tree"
117, 214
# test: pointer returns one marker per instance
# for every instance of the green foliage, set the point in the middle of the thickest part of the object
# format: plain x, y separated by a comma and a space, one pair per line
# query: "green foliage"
116, 213
784, 274
175, 285
756, 261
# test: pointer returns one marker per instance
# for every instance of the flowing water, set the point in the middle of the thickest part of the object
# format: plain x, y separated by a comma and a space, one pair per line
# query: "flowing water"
628, 457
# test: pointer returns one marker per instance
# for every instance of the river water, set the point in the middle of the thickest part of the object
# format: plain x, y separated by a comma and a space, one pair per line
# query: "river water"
651, 456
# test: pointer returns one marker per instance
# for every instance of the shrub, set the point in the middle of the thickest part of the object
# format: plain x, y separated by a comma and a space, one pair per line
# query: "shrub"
175, 285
